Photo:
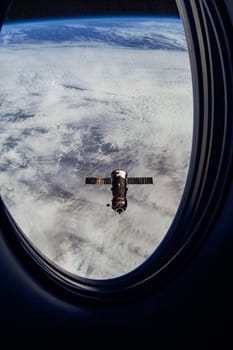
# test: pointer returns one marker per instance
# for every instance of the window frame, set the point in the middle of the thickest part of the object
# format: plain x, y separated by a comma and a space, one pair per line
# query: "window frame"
208, 179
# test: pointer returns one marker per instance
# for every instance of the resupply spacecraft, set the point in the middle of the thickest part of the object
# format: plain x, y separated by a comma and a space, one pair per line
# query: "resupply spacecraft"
119, 181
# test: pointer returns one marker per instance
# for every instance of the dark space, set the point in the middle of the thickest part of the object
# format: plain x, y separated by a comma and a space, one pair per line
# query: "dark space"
26, 9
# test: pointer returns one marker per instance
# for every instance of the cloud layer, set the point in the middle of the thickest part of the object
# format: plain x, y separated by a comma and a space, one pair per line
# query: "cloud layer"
68, 111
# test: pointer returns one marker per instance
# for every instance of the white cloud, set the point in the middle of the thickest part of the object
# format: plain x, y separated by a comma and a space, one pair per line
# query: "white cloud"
71, 112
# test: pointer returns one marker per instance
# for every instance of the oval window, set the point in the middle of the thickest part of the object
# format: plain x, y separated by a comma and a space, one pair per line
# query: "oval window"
96, 120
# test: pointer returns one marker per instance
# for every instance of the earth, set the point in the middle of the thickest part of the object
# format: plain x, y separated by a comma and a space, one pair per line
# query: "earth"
81, 97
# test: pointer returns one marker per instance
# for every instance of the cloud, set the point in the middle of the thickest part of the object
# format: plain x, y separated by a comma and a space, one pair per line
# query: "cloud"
68, 112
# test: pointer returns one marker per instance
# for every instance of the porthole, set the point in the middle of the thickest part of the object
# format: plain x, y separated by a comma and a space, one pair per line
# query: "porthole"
196, 185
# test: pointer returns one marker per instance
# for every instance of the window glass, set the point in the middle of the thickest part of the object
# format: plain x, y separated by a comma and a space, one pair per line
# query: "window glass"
82, 97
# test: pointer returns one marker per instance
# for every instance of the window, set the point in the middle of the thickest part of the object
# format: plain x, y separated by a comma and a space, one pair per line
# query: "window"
204, 161
82, 97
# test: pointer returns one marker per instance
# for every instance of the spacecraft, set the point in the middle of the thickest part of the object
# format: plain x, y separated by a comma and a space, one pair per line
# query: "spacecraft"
119, 182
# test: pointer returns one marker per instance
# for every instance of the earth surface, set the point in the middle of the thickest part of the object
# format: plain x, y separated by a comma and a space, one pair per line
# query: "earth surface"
82, 97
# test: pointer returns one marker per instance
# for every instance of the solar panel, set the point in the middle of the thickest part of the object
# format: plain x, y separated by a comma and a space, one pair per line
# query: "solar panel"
140, 181
98, 180
108, 181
